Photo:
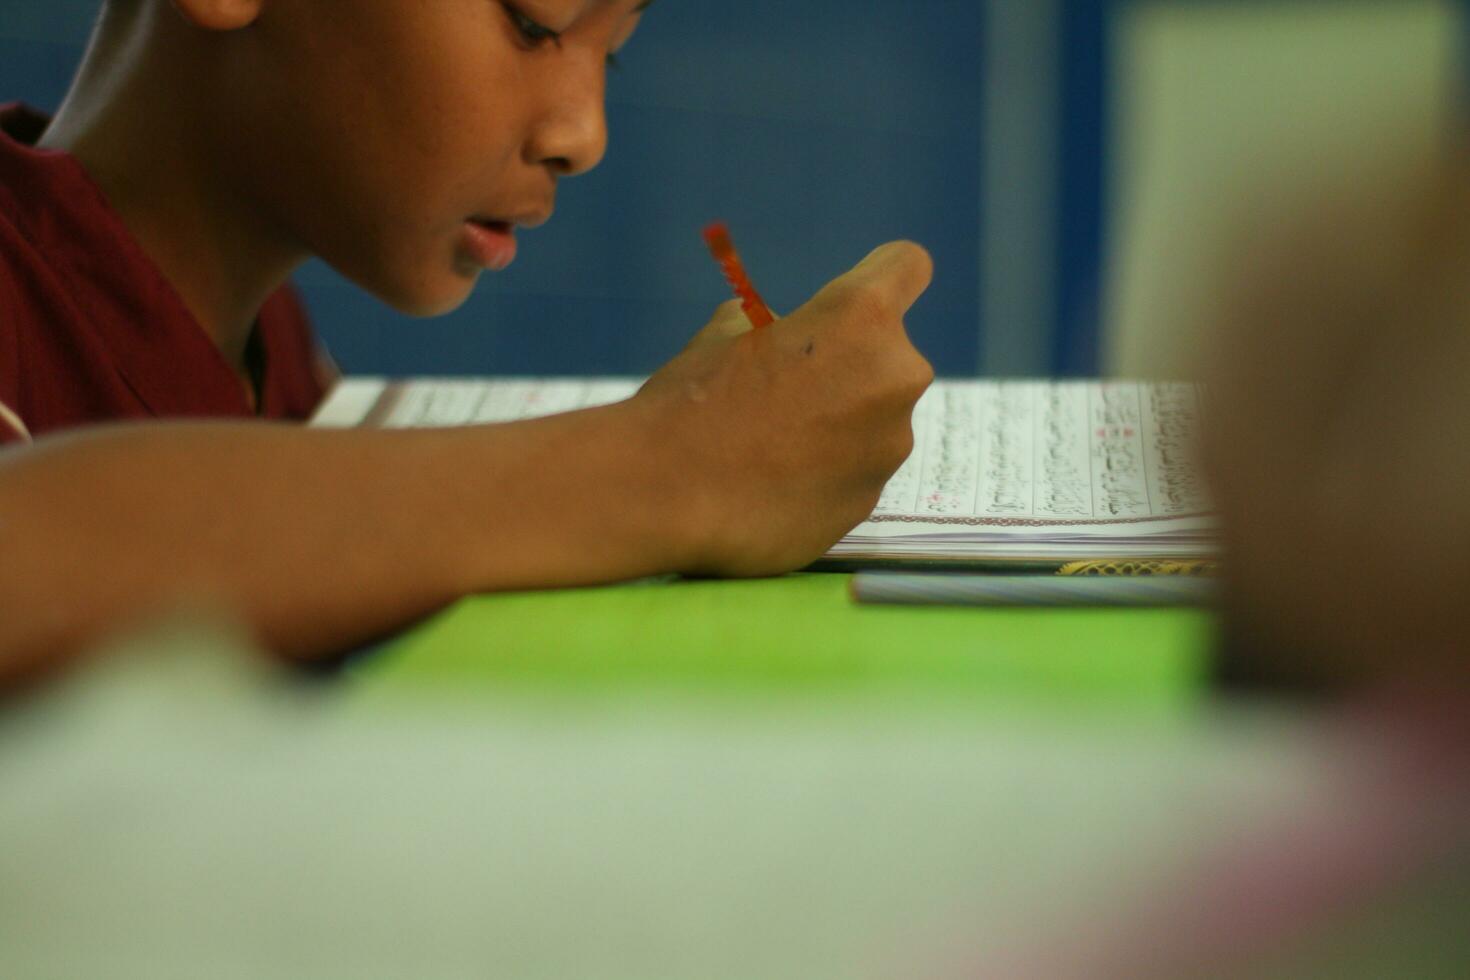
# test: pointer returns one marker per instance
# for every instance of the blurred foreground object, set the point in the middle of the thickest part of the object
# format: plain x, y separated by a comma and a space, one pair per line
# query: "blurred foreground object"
1340, 444
177, 808
1219, 107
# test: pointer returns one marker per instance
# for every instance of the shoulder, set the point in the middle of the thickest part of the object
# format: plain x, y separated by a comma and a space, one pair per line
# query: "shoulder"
12, 427
33, 290
36, 348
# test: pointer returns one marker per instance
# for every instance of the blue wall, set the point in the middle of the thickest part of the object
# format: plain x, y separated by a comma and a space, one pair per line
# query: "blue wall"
40, 44
1081, 193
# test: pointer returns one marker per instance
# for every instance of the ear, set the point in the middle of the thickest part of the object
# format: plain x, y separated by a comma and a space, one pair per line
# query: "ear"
219, 15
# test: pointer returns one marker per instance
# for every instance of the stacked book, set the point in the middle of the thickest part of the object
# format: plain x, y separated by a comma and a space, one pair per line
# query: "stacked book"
1003, 473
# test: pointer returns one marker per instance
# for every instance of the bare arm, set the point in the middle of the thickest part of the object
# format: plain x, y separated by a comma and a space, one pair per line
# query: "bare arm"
749, 454
320, 539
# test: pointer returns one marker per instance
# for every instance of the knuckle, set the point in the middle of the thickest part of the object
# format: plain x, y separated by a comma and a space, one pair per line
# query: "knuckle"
921, 374
868, 304
886, 452
903, 444
912, 375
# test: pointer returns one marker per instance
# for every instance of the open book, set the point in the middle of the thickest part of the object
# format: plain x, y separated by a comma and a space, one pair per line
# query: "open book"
1002, 472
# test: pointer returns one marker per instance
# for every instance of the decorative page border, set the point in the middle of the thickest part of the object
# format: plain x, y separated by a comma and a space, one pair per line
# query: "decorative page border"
1027, 521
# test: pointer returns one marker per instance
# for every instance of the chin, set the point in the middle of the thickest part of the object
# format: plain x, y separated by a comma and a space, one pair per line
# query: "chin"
424, 298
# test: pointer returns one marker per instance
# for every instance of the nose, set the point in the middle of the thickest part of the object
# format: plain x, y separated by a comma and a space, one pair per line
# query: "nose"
570, 137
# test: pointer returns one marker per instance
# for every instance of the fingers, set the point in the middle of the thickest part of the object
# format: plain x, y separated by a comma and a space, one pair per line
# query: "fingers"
728, 323
881, 288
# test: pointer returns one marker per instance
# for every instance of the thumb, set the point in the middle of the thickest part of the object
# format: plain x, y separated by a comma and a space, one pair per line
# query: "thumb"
892, 278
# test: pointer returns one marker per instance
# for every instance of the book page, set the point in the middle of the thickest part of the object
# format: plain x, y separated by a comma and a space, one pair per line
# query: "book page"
1041, 452
446, 402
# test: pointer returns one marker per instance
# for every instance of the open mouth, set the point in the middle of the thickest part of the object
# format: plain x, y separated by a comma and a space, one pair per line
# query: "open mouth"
491, 244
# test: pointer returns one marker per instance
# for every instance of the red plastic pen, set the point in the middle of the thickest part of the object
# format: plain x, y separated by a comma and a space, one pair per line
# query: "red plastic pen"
717, 237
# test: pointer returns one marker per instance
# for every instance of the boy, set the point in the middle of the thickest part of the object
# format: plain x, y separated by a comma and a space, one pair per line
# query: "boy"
207, 147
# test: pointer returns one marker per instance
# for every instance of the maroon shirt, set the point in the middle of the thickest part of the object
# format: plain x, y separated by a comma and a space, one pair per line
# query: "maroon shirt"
90, 330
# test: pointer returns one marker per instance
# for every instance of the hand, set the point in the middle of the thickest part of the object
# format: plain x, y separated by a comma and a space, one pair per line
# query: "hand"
781, 440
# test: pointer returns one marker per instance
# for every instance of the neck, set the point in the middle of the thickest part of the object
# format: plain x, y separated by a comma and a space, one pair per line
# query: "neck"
140, 118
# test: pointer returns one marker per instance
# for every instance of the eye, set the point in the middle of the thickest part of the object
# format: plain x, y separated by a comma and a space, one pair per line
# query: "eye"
533, 33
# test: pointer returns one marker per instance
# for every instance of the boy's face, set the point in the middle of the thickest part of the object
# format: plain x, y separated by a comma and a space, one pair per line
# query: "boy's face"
404, 140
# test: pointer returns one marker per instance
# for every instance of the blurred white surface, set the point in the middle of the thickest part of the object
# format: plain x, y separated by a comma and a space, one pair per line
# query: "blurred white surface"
184, 814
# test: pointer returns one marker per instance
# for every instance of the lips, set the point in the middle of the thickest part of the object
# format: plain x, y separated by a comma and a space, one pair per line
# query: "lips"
489, 241
491, 244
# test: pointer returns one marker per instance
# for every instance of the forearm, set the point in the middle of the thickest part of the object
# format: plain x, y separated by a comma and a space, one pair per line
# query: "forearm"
748, 454
320, 540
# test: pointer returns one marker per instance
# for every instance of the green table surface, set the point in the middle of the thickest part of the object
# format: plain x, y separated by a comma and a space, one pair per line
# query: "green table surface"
799, 634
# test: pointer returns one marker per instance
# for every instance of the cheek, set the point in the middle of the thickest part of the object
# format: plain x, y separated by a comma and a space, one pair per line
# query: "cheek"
399, 234
378, 143
423, 140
